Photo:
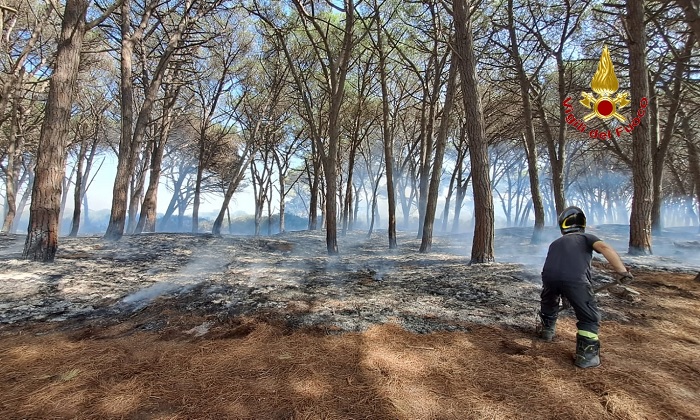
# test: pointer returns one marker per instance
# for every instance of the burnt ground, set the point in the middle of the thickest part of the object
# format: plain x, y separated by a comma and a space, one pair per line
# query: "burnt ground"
196, 326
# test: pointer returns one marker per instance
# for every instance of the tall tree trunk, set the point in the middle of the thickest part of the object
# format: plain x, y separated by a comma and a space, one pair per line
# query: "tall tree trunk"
434, 191
12, 171
427, 149
127, 161
115, 230
482, 244
198, 183
640, 218
147, 218
388, 135
315, 178
355, 141
78, 191
556, 145
280, 181
662, 145
693, 157
352, 153
42, 236
84, 185
530, 145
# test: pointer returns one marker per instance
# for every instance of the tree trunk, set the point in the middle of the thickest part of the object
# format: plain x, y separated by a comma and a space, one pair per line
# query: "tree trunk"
373, 207
692, 15
448, 200
556, 146
282, 228
661, 149
86, 211
246, 158
198, 184
84, 185
77, 193
693, 158
530, 145
42, 236
482, 245
434, 190
388, 137
67, 180
138, 182
640, 218
177, 186
129, 142
426, 149
12, 171
115, 230
147, 218
315, 178
25, 198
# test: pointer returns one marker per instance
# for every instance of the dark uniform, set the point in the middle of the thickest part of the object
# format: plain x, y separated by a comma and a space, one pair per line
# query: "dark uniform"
567, 272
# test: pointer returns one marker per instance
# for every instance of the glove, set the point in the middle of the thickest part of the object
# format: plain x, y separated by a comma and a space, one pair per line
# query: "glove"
625, 278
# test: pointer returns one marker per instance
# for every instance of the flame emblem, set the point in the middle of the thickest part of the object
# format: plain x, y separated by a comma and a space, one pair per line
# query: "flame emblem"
605, 84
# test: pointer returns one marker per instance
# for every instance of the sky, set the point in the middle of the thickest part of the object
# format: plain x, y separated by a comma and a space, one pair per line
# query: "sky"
100, 194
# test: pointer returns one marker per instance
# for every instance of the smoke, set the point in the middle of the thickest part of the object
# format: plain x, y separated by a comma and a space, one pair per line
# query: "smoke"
195, 272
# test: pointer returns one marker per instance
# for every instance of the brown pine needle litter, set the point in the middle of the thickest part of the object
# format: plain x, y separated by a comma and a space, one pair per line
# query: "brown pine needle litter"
256, 368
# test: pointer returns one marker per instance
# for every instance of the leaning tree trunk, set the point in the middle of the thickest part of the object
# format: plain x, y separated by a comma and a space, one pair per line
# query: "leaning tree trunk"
42, 236
530, 145
556, 146
127, 160
640, 218
248, 155
434, 190
482, 244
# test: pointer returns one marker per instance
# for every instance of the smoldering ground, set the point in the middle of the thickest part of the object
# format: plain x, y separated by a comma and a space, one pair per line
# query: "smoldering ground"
298, 320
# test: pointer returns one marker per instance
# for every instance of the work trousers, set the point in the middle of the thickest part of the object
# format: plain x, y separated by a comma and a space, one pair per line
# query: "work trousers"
579, 294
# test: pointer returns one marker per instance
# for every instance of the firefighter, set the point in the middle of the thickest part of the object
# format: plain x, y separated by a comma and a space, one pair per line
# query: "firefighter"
567, 273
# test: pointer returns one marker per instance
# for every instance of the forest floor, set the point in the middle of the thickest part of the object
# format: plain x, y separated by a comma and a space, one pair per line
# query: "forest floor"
181, 326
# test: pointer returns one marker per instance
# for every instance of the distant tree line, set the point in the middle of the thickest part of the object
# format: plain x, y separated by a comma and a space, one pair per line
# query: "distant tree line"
330, 105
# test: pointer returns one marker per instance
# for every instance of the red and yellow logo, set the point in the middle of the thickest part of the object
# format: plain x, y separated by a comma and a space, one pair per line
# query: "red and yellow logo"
605, 84
606, 104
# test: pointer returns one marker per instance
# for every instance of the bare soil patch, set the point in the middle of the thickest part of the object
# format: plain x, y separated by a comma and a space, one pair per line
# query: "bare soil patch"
199, 327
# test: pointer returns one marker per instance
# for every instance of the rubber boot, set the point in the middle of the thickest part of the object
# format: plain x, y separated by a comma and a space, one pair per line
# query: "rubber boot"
587, 352
547, 326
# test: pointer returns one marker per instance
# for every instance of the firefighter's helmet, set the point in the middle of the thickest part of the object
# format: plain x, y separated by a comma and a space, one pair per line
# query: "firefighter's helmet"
572, 219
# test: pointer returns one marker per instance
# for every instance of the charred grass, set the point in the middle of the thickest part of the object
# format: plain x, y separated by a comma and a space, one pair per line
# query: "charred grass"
195, 367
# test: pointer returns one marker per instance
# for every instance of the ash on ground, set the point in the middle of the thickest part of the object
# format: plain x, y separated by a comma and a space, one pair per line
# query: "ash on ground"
290, 278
